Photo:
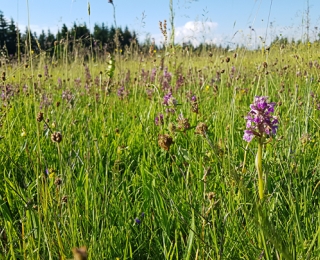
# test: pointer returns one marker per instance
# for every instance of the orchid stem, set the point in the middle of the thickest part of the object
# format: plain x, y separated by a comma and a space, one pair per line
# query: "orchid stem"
259, 169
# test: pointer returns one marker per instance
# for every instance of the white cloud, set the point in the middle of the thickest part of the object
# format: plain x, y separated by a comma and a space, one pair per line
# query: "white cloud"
195, 32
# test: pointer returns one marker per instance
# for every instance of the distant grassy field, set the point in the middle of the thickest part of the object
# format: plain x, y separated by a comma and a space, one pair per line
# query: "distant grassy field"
141, 156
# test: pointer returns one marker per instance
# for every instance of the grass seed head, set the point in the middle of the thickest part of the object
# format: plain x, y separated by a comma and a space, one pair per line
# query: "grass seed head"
40, 116
183, 123
165, 141
56, 137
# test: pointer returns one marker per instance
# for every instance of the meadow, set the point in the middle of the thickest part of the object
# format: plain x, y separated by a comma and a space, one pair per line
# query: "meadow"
139, 154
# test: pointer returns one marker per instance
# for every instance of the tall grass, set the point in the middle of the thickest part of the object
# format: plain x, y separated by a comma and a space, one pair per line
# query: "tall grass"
110, 187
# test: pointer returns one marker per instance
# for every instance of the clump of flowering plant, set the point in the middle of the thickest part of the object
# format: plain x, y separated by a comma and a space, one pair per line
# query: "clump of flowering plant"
260, 124
169, 100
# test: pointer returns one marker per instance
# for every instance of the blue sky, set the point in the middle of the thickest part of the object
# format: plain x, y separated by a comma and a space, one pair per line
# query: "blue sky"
214, 21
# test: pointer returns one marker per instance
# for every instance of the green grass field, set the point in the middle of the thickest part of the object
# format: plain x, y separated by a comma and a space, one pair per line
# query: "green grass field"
98, 170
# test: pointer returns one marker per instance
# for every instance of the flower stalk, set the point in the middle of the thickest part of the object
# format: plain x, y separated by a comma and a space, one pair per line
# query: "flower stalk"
260, 124
258, 164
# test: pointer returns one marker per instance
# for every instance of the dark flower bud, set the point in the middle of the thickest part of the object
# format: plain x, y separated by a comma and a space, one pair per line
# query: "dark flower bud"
40, 117
165, 141
56, 137
58, 181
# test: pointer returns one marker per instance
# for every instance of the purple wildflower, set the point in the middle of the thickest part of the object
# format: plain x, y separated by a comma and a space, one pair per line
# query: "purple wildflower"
127, 80
7, 91
259, 119
87, 73
59, 82
144, 75
97, 81
149, 92
179, 82
46, 100
169, 100
159, 120
138, 221
167, 75
166, 80
77, 82
120, 92
153, 75
166, 99
232, 71
194, 104
67, 95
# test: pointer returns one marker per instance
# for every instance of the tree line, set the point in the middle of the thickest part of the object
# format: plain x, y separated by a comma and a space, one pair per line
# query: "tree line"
14, 41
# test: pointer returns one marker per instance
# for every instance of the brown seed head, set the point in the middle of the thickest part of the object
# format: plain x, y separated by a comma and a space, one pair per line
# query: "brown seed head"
40, 117
165, 141
64, 199
56, 137
201, 129
227, 59
58, 181
183, 123
265, 64
194, 107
